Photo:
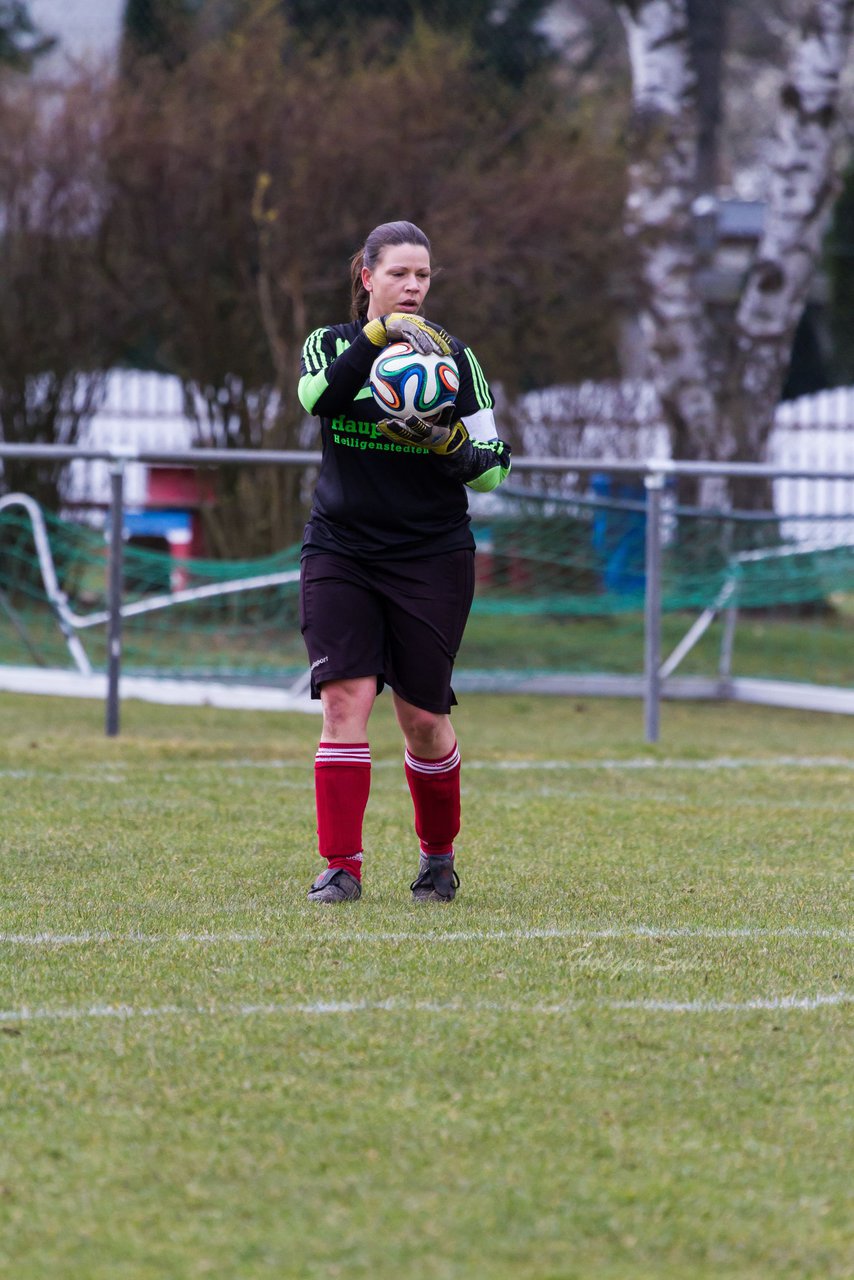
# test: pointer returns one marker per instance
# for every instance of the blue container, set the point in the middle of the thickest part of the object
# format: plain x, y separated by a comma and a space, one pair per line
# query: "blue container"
619, 533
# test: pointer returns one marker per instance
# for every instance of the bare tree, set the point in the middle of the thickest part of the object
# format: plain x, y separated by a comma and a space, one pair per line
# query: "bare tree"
236, 202
21, 41
58, 329
719, 387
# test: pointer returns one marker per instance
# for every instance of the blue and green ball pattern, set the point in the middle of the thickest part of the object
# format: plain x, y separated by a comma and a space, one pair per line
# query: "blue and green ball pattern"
405, 383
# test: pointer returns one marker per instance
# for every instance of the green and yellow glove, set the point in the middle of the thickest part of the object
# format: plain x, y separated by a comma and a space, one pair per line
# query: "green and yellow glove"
480, 464
400, 326
486, 467
441, 435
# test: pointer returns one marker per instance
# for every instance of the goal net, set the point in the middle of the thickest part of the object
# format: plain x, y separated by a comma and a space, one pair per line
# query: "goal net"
743, 596
559, 602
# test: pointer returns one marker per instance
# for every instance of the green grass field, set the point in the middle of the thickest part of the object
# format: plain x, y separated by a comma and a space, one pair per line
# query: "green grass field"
624, 1051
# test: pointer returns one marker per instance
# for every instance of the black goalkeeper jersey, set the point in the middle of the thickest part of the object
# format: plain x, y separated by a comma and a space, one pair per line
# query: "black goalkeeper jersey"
375, 499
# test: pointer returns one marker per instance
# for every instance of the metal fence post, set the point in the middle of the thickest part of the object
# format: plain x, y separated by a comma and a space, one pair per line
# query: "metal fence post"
114, 602
728, 641
652, 607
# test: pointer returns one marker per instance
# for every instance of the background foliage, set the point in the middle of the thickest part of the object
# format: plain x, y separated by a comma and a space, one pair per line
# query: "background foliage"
21, 41
240, 157
241, 152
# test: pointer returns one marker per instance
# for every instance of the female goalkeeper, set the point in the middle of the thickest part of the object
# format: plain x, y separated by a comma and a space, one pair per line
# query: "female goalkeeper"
388, 563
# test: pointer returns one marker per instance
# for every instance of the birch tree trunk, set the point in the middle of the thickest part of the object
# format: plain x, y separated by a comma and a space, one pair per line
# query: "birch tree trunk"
659, 219
804, 185
719, 393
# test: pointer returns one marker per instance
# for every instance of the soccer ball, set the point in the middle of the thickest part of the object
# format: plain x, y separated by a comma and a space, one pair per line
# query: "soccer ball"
404, 383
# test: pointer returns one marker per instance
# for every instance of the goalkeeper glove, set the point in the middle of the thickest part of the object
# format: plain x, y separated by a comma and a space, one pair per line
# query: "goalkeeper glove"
441, 435
400, 326
480, 464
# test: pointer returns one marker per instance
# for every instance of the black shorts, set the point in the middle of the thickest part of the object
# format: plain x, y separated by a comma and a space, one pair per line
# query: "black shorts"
401, 621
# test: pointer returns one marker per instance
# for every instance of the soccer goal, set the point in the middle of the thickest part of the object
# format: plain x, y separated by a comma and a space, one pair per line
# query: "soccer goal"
582, 594
229, 638
590, 580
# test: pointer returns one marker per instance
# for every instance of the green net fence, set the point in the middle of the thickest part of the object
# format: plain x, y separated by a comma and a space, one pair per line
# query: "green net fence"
560, 589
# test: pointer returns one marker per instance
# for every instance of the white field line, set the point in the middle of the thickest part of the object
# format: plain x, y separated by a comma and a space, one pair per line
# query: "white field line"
644, 796
610, 933
124, 1012
533, 766
643, 762
530, 766
720, 762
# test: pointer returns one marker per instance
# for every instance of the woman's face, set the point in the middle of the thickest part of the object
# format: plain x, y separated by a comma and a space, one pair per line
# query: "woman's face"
399, 281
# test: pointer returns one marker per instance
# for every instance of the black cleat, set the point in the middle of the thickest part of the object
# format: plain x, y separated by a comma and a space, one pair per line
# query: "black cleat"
335, 885
437, 880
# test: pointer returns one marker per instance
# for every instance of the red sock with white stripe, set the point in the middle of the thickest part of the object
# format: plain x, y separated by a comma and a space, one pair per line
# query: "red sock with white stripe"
435, 789
342, 783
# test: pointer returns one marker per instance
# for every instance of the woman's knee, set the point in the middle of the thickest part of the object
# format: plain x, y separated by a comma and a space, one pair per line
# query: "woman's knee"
427, 733
347, 705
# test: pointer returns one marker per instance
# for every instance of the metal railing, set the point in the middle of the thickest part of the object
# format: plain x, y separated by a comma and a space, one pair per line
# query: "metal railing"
655, 474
